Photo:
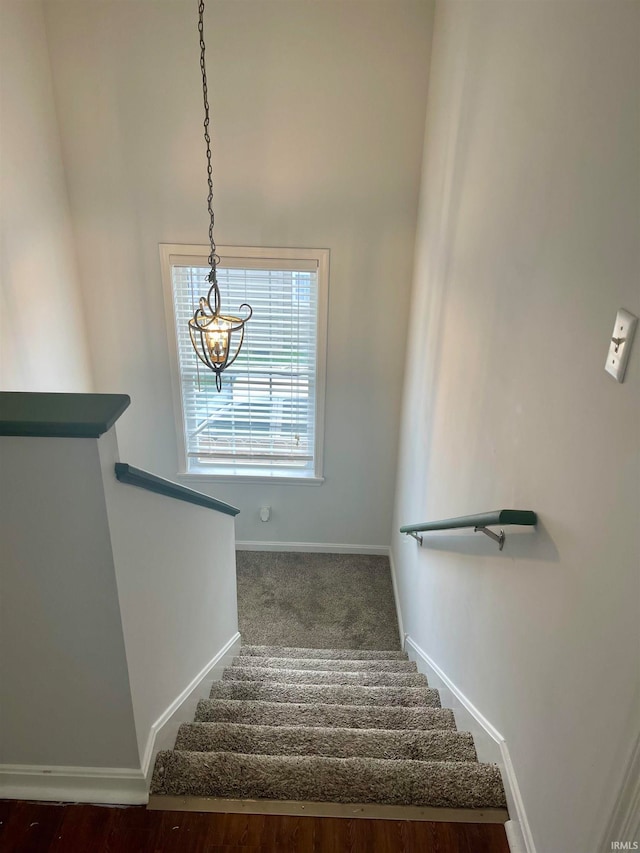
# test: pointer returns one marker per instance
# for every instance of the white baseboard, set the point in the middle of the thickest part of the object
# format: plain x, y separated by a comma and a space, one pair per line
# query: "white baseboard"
165, 728
624, 823
396, 596
113, 785
314, 548
490, 744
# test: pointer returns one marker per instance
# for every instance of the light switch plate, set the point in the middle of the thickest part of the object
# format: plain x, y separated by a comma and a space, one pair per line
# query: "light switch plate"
620, 345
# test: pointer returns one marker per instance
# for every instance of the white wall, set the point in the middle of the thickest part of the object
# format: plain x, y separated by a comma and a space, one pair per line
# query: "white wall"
527, 246
65, 685
42, 336
176, 574
115, 603
318, 120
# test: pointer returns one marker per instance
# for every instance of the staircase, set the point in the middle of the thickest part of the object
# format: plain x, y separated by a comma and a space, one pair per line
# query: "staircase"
314, 731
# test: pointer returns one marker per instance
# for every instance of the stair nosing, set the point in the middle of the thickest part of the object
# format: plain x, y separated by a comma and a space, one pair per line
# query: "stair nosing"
293, 758
430, 695
330, 741
254, 707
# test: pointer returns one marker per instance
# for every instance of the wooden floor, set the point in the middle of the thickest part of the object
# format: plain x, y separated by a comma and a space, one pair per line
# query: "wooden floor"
34, 827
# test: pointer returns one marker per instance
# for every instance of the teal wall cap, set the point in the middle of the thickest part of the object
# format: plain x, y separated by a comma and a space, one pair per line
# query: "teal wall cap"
59, 415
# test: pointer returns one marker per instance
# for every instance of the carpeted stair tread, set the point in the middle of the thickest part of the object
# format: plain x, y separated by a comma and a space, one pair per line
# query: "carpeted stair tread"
333, 654
322, 779
327, 664
325, 694
319, 676
315, 714
426, 745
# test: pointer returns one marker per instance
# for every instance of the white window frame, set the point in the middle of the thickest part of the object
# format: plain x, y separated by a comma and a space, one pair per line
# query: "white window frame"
176, 254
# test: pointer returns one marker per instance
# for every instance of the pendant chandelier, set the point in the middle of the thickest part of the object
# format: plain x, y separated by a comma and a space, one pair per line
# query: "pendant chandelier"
214, 335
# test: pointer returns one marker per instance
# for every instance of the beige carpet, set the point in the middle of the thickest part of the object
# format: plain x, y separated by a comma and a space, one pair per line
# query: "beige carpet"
316, 600
328, 742
321, 705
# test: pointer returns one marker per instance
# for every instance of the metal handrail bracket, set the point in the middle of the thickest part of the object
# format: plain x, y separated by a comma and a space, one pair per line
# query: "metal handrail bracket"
499, 538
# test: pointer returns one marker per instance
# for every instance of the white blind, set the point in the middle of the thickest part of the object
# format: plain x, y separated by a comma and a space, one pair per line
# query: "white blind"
265, 413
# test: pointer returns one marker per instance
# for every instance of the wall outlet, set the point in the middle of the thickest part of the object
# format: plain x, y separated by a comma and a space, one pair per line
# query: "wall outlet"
265, 513
620, 344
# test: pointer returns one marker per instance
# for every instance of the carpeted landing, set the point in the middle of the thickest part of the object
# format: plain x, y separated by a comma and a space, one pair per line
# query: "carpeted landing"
320, 726
341, 601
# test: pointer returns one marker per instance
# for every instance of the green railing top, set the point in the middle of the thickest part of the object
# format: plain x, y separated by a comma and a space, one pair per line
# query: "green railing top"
483, 519
59, 415
136, 477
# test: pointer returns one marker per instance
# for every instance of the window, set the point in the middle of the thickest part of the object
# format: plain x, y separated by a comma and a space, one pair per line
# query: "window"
267, 420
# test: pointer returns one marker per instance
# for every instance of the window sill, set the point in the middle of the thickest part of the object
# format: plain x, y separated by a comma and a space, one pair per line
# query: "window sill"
281, 478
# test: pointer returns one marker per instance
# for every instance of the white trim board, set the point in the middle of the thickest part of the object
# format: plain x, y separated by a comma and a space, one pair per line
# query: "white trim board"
163, 732
114, 785
111, 785
490, 744
314, 548
396, 596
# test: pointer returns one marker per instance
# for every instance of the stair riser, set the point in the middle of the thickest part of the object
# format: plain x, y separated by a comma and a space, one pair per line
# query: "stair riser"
333, 654
354, 780
326, 664
359, 679
326, 694
336, 743
331, 716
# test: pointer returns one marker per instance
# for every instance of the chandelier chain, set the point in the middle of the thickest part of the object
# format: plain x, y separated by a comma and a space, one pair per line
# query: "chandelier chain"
213, 333
213, 256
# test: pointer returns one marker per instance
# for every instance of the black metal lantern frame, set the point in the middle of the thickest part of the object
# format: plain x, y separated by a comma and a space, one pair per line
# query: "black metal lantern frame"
212, 333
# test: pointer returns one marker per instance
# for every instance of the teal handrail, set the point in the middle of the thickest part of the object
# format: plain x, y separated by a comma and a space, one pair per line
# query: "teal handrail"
479, 522
126, 473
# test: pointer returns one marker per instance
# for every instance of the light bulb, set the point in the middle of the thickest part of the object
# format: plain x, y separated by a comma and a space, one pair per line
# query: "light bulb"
217, 336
